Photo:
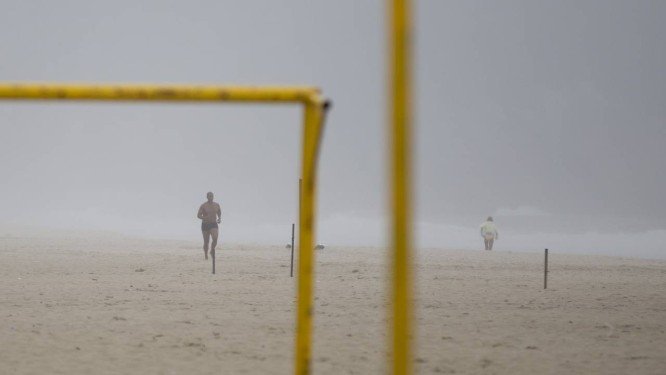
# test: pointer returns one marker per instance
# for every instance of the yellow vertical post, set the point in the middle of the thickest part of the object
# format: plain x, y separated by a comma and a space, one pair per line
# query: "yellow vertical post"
311, 131
400, 133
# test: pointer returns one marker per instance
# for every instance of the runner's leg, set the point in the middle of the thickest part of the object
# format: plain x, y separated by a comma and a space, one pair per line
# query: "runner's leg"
214, 233
206, 237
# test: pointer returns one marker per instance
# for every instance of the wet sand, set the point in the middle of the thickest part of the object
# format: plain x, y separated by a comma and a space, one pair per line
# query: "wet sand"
114, 305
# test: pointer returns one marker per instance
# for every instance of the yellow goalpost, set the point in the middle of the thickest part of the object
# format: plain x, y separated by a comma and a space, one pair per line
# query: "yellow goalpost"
314, 107
400, 139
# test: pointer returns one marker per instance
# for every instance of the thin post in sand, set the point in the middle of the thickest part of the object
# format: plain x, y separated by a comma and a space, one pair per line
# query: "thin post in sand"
291, 271
300, 189
212, 255
545, 270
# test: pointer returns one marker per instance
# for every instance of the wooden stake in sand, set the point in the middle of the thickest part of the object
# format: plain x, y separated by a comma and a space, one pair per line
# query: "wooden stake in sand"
291, 272
212, 255
545, 270
300, 192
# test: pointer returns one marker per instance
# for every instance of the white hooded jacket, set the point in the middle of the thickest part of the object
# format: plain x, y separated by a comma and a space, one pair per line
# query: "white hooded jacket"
489, 229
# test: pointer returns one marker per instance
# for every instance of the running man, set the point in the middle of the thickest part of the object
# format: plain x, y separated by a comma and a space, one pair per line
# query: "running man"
489, 233
210, 215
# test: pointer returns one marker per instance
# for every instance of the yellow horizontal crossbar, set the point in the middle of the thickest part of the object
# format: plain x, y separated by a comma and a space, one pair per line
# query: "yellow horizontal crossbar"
164, 93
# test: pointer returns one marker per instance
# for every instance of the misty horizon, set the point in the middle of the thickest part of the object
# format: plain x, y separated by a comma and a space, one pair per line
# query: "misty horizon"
548, 116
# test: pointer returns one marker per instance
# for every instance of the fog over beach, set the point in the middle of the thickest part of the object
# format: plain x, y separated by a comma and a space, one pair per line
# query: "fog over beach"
548, 116
536, 125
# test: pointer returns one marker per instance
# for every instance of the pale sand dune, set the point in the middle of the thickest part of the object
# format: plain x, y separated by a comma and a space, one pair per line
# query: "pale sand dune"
125, 306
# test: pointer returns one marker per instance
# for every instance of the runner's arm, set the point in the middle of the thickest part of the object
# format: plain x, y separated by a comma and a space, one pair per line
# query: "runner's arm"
200, 214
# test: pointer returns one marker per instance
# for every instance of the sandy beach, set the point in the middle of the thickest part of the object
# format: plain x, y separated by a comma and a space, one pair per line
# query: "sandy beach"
113, 305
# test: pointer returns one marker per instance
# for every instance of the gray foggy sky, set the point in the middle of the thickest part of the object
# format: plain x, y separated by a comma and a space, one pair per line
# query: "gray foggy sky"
547, 114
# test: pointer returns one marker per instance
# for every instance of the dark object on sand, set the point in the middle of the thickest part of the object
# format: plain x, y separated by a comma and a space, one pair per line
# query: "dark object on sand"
212, 255
291, 246
319, 247
545, 270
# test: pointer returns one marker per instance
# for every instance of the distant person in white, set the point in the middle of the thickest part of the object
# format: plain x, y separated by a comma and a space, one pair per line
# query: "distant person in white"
489, 232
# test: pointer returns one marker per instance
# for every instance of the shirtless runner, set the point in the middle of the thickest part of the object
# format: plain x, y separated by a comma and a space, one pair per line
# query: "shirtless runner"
210, 215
